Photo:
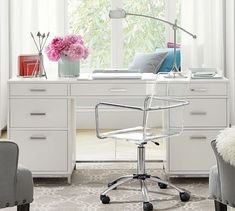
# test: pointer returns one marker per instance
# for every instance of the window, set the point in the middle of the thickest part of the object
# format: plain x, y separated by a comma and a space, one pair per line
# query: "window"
113, 43
89, 18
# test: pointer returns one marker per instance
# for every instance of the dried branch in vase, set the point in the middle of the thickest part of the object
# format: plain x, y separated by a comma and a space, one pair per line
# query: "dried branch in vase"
40, 44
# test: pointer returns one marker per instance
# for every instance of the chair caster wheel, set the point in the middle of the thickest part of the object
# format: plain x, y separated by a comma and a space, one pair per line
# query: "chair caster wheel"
162, 185
147, 206
112, 183
184, 196
104, 199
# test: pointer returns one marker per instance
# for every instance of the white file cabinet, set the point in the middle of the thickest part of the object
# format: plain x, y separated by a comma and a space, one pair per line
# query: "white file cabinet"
190, 154
41, 121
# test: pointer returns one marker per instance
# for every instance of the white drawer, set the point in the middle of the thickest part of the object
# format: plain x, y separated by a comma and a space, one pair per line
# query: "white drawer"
38, 89
42, 151
40, 113
108, 89
202, 113
198, 89
192, 151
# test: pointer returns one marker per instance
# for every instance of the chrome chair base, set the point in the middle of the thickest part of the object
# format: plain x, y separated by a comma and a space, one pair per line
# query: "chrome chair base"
142, 177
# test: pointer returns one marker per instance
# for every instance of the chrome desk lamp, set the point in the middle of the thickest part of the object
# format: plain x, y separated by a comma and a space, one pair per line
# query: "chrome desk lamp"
121, 13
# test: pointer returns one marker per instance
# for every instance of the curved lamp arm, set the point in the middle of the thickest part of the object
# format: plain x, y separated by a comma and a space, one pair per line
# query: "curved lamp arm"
159, 19
121, 13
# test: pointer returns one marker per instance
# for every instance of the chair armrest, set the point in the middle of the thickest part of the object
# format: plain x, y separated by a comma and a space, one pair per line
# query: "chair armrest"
175, 103
227, 175
8, 168
146, 108
226, 178
109, 105
214, 184
24, 186
118, 105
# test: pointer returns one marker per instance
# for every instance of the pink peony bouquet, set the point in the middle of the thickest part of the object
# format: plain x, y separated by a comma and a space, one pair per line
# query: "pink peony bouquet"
69, 45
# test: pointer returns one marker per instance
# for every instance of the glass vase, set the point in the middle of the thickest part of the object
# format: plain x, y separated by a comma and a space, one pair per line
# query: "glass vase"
68, 68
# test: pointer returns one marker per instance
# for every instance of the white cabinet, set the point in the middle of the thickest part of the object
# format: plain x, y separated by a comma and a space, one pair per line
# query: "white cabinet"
190, 154
41, 121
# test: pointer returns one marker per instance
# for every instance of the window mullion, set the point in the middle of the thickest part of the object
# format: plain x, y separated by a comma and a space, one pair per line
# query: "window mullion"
170, 16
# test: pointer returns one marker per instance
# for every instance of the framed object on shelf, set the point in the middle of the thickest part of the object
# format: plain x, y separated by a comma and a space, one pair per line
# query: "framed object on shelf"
28, 64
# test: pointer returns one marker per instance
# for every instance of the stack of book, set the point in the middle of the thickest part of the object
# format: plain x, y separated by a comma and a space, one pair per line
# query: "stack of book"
205, 75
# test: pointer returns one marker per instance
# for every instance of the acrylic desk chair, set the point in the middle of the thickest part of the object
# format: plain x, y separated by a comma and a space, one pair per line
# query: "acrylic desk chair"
140, 136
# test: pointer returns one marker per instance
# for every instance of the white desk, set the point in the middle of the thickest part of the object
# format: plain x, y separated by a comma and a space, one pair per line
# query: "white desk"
42, 119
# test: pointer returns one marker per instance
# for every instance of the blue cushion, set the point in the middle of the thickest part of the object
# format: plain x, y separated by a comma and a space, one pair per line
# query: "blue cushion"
168, 62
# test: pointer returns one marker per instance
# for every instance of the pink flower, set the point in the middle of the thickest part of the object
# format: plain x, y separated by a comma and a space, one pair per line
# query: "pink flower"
52, 54
72, 39
76, 51
58, 43
69, 45
86, 53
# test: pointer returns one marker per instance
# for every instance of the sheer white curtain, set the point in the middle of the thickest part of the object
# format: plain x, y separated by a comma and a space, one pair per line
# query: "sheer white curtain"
230, 55
32, 16
205, 19
4, 60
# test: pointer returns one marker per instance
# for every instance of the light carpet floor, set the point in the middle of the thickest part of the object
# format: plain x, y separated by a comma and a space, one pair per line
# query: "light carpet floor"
89, 180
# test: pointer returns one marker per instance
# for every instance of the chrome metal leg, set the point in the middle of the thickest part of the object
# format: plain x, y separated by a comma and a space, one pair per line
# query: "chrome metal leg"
144, 191
143, 178
141, 160
157, 179
121, 178
120, 182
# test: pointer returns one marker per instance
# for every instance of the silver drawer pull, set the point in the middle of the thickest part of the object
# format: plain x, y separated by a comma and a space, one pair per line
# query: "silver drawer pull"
37, 90
198, 137
198, 90
38, 137
198, 113
38, 114
118, 90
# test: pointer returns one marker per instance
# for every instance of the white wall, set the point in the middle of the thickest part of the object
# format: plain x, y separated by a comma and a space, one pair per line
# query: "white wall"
4, 60
230, 54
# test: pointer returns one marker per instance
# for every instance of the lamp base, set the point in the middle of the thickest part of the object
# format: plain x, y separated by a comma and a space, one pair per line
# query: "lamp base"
175, 73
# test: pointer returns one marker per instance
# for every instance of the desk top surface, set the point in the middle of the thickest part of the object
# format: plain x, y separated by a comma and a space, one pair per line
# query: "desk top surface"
87, 78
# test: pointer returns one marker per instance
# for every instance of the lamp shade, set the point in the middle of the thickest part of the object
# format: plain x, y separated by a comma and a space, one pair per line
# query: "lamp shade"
117, 14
